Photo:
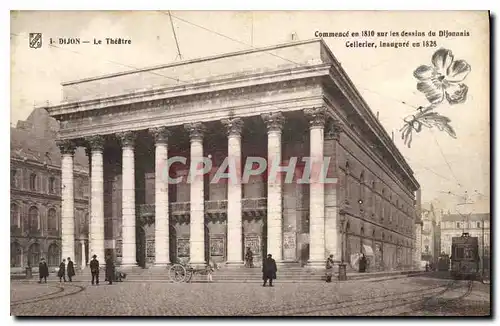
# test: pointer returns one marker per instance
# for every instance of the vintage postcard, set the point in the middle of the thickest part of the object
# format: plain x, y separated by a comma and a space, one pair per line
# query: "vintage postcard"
250, 163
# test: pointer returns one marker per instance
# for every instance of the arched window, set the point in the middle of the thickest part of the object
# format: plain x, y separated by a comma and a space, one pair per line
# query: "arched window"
383, 235
34, 254
33, 182
15, 216
362, 231
53, 255
362, 186
52, 185
52, 222
34, 222
15, 254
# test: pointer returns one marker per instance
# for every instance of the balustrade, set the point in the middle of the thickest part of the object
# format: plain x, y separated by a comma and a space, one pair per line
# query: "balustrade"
214, 206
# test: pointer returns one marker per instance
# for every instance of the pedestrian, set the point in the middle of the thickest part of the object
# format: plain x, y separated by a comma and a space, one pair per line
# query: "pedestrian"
210, 270
362, 263
329, 269
269, 270
62, 271
94, 270
70, 268
43, 270
110, 269
249, 258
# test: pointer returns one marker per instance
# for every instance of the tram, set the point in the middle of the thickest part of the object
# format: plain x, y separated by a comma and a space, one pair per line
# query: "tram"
464, 256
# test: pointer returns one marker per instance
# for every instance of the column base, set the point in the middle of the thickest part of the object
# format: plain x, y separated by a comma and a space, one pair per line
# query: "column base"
198, 264
161, 264
316, 263
288, 263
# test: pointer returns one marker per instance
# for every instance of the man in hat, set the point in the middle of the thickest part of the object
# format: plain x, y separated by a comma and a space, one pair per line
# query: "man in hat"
269, 270
94, 269
70, 267
43, 270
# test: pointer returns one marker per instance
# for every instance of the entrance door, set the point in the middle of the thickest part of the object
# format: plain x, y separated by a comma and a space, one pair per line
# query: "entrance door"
141, 246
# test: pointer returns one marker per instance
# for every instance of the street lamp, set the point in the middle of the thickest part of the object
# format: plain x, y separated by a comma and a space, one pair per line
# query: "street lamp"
342, 265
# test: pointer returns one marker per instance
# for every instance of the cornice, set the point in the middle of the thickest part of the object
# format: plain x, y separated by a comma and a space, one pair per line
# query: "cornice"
192, 89
370, 153
180, 118
357, 102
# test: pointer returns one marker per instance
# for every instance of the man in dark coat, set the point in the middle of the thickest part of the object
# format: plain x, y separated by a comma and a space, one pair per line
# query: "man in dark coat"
94, 270
70, 269
110, 270
269, 270
43, 270
362, 263
62, 271
249, 257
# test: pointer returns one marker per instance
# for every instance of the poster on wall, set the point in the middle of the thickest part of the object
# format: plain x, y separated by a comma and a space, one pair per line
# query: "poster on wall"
253, 241
217, 246
289, 245
182, 248
118, 249
150, 248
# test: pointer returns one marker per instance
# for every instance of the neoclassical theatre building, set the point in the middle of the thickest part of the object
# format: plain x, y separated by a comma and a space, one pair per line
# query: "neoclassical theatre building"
290, 100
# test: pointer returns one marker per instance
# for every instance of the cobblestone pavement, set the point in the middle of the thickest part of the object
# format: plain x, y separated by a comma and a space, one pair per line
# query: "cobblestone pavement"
202, 299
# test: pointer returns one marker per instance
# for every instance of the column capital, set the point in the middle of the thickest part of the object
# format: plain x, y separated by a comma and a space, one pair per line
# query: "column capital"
274, 121
195, 130
234, 126
333, 129
160, 134
127, 138
316, 116
95, 143
66, 146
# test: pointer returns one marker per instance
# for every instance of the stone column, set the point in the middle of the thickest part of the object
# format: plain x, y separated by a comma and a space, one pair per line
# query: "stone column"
128, 199
161, 196
317, 254
274, 122
96, 234
333, 225
83, 262
67, 149
197, 198
234, 193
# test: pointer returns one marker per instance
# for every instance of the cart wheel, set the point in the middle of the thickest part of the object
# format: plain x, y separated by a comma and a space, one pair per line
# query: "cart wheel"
178, 273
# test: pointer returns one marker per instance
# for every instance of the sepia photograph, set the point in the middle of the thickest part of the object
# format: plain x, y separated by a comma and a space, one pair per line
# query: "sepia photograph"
250, 163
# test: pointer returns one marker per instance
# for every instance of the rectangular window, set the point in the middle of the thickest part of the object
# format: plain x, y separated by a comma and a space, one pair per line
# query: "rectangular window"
13, 178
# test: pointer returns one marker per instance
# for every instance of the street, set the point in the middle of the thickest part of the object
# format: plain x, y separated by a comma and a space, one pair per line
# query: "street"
408, 296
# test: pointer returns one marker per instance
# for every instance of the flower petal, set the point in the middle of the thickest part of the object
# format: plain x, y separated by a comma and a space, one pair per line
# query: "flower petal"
432, 89
424, 72
457, 71
442, 59
456, 93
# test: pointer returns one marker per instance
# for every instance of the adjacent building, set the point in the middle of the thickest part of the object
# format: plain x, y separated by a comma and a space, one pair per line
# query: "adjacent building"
35, 203
280, 102
430, 234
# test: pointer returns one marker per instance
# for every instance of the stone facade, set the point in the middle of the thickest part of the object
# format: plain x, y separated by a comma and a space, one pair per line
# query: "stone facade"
239, 105
36, 195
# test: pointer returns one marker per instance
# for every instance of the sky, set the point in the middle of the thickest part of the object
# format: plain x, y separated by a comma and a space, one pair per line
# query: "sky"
446, 168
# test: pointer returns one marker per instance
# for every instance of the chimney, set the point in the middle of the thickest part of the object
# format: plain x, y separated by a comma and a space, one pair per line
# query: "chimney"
294, 36
377, 115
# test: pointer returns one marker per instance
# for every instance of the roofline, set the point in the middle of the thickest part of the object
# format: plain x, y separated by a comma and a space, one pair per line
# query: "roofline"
185, 62
387, 141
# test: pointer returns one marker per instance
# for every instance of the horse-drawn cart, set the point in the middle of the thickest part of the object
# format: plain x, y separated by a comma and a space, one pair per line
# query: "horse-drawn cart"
184, 273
